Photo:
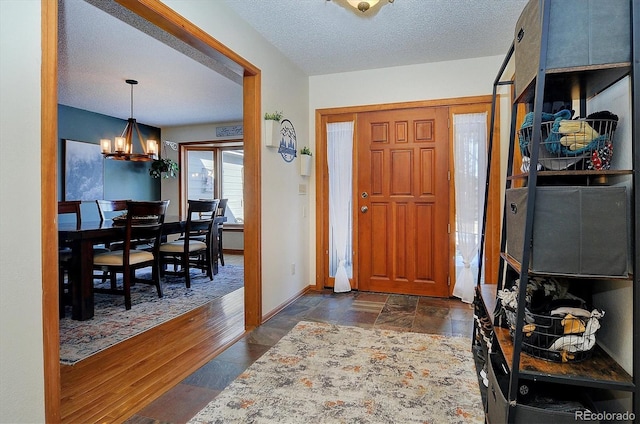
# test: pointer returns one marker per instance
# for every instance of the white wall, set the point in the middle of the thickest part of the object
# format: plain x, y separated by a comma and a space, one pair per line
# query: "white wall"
21, 342
285, 230
615, 298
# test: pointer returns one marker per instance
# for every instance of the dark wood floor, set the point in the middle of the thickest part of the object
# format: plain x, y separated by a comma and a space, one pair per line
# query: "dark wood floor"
368, 310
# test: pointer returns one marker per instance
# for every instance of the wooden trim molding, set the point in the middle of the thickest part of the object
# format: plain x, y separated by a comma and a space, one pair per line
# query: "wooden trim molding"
476, 103
49, 210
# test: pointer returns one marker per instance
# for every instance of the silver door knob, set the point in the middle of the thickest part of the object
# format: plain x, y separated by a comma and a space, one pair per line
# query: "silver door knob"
364, 209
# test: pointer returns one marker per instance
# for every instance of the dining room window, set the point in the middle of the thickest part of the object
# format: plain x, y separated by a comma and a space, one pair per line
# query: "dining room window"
215, 171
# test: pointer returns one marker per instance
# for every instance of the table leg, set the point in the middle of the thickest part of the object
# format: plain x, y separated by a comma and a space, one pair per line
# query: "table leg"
81, 283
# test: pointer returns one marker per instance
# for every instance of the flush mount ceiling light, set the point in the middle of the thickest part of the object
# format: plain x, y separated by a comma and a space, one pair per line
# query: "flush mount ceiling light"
364, 5
123, 145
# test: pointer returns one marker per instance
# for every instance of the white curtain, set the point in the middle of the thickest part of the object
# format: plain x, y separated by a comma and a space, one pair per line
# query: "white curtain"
470, 163
339, 158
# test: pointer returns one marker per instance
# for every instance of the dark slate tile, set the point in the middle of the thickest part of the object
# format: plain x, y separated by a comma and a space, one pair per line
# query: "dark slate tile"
178, 405
243, 353
215, 375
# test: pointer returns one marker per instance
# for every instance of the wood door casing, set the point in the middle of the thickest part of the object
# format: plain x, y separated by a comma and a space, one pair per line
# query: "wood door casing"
403, 237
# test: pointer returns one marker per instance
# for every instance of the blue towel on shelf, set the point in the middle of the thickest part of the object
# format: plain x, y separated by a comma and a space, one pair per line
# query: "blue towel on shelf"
546, 117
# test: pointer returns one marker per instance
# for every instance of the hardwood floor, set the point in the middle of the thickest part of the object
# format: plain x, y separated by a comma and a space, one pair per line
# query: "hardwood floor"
111, 385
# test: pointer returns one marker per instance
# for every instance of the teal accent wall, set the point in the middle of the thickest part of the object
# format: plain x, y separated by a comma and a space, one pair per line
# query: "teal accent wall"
122, 179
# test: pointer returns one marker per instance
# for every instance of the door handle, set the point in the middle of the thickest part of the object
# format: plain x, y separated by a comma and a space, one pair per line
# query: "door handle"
364, 209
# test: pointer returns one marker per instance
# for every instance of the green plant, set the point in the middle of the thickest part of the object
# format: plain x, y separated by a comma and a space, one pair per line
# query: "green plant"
306, 151
164, 168
275, 116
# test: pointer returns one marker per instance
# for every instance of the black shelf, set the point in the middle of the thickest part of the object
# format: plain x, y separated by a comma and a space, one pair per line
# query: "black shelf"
547, 87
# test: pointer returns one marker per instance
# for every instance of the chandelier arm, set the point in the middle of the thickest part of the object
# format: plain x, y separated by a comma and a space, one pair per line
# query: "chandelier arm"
144, 148
129, 137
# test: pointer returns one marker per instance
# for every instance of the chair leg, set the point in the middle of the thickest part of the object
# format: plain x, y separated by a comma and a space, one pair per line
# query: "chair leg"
155, 275
185, 269
61, 295
126, 285
220, 247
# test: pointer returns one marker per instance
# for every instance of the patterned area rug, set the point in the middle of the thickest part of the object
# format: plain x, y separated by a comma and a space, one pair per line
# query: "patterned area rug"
112, 323
324, 373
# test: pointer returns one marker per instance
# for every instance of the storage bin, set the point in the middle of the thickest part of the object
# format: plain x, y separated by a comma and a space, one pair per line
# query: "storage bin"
545, 331
586, 145
497, 406
577, 231
581, 33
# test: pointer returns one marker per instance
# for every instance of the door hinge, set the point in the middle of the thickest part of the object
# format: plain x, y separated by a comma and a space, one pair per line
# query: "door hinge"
449, 280
448, 123
448, 228
448, 175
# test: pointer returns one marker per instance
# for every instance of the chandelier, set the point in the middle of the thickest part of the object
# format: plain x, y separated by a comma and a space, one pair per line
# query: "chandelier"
123, 145
364, 5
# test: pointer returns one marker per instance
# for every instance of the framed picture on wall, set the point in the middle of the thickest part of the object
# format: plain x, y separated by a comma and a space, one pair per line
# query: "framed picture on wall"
83, 171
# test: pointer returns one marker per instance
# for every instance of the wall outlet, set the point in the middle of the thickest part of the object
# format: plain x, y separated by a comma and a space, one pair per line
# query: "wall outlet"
293, 269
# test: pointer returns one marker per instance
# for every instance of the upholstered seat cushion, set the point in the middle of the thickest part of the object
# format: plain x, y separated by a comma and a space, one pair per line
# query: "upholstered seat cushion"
178, 246
115, 258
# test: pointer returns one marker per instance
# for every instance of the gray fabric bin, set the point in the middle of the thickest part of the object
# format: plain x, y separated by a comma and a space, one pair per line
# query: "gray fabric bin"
576, 230
581, 33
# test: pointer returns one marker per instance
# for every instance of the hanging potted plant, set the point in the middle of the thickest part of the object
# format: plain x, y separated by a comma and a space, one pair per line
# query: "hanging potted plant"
164, 168
272, 128
305, 161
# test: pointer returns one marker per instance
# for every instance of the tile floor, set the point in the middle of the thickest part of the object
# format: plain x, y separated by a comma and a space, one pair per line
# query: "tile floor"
368, 310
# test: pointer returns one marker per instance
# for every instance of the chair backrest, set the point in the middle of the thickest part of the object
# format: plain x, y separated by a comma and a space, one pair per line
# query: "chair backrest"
110, 206
203, 210
222, 207
71, 207
144, 221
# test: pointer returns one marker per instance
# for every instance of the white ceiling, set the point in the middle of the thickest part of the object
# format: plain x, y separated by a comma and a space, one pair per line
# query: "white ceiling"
99, 51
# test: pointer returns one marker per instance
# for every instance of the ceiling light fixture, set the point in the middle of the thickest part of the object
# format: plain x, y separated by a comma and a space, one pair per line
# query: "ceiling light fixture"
363, 6
123, 145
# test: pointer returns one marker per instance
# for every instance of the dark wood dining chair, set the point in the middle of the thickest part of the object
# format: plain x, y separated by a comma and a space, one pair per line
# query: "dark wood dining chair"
107, 206
190, 251
222, 209
144, 221
68, 208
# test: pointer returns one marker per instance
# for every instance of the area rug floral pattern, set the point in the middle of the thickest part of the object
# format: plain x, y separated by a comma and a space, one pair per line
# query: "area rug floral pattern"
325, 373
112, 323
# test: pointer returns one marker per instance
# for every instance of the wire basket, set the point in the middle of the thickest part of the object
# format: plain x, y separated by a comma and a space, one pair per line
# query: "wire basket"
553, 338
578, 144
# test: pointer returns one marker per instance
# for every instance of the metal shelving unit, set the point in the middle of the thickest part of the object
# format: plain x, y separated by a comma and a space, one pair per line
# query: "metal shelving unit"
599, 371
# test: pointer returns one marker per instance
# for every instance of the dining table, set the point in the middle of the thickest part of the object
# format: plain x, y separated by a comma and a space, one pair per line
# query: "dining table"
83, 237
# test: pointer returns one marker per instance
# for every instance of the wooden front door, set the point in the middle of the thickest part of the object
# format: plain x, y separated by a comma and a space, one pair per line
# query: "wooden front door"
403, 201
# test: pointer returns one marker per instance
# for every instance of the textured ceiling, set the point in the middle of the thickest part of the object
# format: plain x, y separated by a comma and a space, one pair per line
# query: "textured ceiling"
102, 46
325, 37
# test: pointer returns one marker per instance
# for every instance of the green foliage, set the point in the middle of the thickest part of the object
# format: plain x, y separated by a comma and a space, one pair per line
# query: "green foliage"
275, 116
164, 168
306, 151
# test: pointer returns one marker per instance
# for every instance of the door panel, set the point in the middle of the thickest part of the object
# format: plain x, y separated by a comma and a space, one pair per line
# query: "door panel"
402, 224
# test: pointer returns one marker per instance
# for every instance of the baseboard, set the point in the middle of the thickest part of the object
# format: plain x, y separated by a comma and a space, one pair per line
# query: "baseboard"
233, 251
278, 309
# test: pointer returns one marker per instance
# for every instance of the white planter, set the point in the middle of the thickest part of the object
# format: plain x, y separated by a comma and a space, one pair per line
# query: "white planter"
271, 133
305, 165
